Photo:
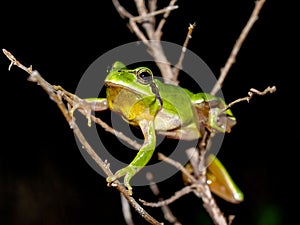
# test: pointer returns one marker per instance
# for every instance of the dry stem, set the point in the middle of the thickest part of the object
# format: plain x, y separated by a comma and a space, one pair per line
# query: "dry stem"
238, 44
168, 215
251, 92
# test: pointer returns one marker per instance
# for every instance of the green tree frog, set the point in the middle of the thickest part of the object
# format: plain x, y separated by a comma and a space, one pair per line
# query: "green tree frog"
159, 108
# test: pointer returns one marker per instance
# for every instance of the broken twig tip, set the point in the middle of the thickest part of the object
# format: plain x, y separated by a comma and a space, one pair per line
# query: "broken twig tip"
4, 51
8, 54
272, 89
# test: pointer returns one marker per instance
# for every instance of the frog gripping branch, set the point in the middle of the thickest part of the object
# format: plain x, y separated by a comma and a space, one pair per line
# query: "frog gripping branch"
158, 108
148, 107
165, 109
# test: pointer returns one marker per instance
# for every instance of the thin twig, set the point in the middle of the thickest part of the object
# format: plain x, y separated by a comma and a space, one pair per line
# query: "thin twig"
152, 14
15, 62
152, 5
75, 100
118, 134
151, 37
251, 92
232, 58
199, 167
178, 194
142, 10
162, 22
209, 202
168, 215
176, 165
178, 66
37, 78
198, 186
121, 10
132, 24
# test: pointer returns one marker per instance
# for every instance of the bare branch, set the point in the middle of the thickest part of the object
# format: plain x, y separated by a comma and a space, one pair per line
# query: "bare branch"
150, 38
84, 108
250, 95
126, 211
176, 165
158, 31
152, 14
202, 190
232, 58
198, 186
56, 97
121, 10
178, 66
168, 215
15, 62
211, 207
178, 194
152, 5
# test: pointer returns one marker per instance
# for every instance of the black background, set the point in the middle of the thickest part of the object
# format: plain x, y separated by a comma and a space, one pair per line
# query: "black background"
43, 177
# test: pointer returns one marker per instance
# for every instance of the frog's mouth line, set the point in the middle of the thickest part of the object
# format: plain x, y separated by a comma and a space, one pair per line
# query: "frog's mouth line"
114, 85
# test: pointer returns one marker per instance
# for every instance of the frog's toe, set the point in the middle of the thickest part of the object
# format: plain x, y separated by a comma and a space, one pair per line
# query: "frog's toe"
111, 179
128, 172
127, 184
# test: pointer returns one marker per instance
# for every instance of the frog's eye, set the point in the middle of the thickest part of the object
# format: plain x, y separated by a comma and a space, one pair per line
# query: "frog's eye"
144, 76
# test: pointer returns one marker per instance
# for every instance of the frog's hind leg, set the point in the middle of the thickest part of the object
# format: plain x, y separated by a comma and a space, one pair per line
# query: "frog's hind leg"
185, 133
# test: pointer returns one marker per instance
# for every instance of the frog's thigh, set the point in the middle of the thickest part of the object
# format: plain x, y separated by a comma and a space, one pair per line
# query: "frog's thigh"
184, 133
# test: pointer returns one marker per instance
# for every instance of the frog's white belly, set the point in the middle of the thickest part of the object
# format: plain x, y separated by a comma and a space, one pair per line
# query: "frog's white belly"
164, 121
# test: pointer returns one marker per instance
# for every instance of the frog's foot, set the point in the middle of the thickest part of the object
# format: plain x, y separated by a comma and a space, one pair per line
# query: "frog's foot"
82, 105
76, 103
128, 172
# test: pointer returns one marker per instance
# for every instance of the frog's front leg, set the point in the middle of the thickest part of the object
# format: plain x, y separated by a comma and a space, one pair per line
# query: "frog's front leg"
89, 105
97, 104
141, 159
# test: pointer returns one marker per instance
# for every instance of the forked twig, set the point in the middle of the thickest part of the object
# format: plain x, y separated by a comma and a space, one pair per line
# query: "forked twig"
178, 194
198, 186
158, 31
86, 111
168, 215
153, 13
209, 202
150, 35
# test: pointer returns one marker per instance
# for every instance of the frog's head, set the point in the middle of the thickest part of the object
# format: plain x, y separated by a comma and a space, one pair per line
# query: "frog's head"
138, 80
132, 91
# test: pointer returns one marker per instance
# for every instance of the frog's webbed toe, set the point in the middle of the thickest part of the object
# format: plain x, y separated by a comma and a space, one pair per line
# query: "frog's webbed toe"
128, 172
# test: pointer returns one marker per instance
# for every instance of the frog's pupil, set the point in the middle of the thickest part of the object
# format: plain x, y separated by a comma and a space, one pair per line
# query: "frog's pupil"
145, 75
